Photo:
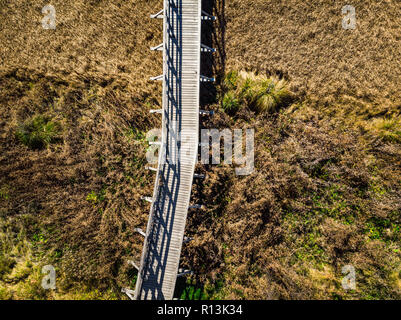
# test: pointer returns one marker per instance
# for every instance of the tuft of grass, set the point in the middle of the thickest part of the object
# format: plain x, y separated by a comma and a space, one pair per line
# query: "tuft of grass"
230, 103
6, 265
135, 134
259, 93
195, 290
96, 197
38, 132
389, 129
230, 81
4, 192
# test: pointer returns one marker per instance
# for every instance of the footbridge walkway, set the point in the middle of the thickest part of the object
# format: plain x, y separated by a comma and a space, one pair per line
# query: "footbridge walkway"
178, 151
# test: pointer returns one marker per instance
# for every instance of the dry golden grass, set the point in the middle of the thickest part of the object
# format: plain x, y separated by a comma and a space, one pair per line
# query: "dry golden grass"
305, 42
104, 40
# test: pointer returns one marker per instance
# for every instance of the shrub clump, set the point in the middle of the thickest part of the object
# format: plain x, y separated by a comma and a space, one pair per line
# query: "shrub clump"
257, 92
389, 129
6, 265
38, 132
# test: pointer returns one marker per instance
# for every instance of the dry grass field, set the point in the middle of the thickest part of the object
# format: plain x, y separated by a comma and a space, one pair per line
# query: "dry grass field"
305, 42
326, 190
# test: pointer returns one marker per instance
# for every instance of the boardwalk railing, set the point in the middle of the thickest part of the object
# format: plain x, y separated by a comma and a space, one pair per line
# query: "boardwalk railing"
164, 237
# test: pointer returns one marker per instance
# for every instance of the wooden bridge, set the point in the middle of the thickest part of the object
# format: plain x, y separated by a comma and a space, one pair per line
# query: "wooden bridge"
178, 152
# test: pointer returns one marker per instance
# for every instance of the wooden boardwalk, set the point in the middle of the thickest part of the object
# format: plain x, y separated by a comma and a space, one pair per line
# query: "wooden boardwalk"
178, 152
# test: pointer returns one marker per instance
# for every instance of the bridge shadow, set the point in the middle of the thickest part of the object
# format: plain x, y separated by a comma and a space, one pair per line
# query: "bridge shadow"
213, 35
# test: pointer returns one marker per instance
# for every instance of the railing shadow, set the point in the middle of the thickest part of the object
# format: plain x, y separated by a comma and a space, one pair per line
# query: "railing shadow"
216, 34
213, 35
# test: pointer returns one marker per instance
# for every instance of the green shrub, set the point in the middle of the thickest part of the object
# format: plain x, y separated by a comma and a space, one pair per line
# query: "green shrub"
4, 192
273, 96
230, 103
247, 90
95, 198
6, 265
389, 129
231, 80
38, 132
259, 93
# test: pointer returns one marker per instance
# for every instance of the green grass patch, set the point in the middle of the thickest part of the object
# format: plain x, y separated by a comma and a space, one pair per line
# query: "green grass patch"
230, 103
96, 197
4, 192
389, 129
259, 93
383, 229
193, 290
6, 265
38, 132
135, 134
